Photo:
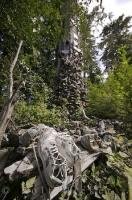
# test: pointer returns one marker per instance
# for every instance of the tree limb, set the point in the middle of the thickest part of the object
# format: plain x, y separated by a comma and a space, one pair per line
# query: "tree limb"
12, 68
7, 110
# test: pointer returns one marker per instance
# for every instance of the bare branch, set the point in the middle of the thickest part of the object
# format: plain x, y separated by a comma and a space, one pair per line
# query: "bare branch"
12, 68
8, 108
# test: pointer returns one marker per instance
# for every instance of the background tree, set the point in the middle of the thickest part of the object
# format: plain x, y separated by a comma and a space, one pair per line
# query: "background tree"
38, 24
112, 98
114, 36
88, 22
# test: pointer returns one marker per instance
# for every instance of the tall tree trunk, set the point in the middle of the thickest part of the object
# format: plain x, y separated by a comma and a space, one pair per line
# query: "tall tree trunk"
69, 88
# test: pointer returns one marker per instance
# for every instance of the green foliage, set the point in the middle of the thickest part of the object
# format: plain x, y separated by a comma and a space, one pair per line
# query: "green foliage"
35, 113
103, 180
38, 24
105, 101
112, 98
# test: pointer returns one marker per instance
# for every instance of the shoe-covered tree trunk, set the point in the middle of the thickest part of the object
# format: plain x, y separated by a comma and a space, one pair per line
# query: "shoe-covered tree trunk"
69, 86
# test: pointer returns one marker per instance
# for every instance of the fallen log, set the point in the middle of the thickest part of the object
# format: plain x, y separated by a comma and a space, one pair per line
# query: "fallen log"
86, 161
56, 154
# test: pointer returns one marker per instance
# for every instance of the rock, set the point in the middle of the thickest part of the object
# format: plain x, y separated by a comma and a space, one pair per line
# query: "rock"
86, 130
21, 168
102, 126
89, 143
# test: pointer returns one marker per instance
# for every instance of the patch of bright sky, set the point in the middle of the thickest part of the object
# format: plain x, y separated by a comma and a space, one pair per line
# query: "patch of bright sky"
117, 8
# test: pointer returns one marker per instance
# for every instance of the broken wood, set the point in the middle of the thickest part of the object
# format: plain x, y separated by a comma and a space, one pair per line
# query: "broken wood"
54, 156
77, 175
86, 161
12, 68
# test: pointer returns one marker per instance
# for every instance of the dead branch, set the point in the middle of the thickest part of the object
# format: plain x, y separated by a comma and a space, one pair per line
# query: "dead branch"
8, 108
12, 68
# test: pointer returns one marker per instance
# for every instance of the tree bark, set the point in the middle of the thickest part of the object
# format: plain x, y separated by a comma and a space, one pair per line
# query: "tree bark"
8, 108
12, 68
